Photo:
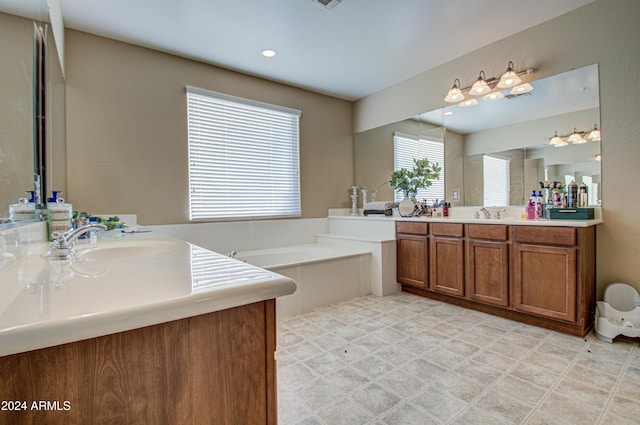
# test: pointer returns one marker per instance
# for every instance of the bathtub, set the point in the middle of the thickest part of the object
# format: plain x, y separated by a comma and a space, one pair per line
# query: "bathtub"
324, 274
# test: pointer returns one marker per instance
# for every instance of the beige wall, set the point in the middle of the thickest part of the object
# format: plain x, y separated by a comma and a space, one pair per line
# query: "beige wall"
127, 130
604, 32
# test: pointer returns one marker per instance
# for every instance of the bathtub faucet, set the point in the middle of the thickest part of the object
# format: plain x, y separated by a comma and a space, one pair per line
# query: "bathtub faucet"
233, 254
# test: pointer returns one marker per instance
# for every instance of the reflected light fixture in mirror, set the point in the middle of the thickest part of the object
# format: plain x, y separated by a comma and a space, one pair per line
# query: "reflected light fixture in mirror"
521, 89
595, 135
468, 102
454, 94
493, 96
481, 86
576, 137
555, 140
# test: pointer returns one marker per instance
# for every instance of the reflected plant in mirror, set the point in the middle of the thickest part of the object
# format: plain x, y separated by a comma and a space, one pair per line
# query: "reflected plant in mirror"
420, 177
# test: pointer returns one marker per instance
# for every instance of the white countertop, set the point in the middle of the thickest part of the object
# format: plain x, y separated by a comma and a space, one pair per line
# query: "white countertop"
467, 220
123, 282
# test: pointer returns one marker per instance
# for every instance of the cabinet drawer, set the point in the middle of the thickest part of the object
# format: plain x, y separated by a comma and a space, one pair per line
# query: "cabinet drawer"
496, 232
545, 235
447, 229
412, 228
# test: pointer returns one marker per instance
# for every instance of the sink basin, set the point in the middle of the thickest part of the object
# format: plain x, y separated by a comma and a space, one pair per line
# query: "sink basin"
124, 249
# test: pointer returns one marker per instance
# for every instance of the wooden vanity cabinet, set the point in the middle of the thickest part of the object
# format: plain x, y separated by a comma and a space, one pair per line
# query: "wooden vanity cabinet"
446, 259
488, 263
412, 245
216, 368
550, 279
541, 275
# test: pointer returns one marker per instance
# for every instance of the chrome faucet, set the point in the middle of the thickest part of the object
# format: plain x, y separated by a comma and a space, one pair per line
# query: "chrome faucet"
232, 254
62, 246
497, 214
487, 214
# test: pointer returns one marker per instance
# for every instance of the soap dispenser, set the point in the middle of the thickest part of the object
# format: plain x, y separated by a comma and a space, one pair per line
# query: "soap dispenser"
23, 210
59, 214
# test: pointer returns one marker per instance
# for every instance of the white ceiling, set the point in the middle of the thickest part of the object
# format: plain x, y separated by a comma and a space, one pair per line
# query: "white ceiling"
350, 51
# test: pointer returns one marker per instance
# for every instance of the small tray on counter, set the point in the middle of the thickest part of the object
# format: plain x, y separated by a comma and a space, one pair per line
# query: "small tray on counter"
572, 214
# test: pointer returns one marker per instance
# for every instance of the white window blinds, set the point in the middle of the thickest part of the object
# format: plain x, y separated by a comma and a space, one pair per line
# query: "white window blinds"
406, 148
243, 158
496, 181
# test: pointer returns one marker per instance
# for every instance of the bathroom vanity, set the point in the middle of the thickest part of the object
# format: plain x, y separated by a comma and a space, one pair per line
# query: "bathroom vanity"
138, 329
537, 272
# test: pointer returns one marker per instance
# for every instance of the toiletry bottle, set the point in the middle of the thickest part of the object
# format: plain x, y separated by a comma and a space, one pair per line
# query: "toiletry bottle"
533, 197
530, 210
539, 205
572, 195
557, 198
445, 209
583, 197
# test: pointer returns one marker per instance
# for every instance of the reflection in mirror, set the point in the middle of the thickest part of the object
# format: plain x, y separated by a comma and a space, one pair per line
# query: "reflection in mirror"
374, 153
517, 129
18, 158
16, 109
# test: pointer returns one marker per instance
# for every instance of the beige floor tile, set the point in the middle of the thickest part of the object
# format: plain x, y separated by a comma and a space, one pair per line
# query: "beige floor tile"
403, 360
406, 414
375, 399
516, 388
438, 403
344, 412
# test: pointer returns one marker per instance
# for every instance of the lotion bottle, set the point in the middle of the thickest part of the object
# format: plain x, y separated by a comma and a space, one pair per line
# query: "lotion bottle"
530, 210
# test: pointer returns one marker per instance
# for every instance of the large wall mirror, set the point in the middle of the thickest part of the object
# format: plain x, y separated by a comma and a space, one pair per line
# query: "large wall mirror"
512, 135
23, 25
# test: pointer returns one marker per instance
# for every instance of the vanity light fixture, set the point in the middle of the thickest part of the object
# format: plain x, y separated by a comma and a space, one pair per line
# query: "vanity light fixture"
481, 86
454, 94
595, 135
576, 137
468, 102
598, 157
497, 95
509, 78
560, 144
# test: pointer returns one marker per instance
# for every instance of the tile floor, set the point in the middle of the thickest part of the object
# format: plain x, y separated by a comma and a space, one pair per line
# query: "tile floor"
403, 360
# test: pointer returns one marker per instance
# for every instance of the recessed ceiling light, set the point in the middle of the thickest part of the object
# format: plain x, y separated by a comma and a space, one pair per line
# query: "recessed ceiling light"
269, 53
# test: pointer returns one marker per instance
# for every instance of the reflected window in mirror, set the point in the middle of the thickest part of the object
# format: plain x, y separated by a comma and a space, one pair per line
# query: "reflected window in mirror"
406, 148
496, 181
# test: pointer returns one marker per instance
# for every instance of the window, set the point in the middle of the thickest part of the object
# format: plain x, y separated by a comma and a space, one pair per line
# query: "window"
406, 148
243, 158
496, 181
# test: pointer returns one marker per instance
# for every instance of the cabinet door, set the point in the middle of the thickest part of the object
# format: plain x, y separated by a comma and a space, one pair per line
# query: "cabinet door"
488, 272
412, 257
545, 281
447, 265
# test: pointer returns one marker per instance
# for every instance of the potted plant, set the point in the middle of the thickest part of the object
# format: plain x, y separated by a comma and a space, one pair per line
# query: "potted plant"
420, 177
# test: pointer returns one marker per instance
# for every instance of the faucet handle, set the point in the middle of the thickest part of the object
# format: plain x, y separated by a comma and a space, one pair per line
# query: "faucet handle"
497, 213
